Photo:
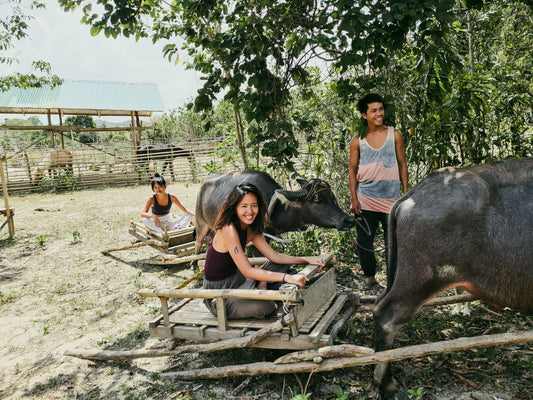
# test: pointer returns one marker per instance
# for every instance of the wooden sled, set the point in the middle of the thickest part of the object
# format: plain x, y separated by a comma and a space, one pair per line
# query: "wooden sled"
176, 246
311, 309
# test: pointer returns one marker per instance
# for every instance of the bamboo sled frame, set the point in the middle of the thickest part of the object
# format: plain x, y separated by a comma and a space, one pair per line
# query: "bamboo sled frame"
316, 357
176, 246
314, 309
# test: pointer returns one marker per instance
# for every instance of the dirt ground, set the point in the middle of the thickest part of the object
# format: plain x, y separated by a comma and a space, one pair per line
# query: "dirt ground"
58, 292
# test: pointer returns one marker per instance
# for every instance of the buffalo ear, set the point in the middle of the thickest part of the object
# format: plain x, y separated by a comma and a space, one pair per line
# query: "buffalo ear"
274, 202
301, 182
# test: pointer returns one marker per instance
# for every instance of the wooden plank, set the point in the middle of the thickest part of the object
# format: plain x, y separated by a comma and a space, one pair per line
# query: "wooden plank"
196, 313
310, 270
326, 321
314, 296
171, 310
176, 259
181, 247
221, 314
3, 211
164, 307
222, 293
200, 333
315, 318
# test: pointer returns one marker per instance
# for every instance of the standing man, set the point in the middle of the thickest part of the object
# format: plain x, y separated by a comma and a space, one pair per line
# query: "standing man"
377, 168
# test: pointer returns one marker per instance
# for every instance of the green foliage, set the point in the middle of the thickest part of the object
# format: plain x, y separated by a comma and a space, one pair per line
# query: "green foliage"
455, 75
63, 181
302, 396
13, 28
7, 298
416, 393
83, 121
76, 237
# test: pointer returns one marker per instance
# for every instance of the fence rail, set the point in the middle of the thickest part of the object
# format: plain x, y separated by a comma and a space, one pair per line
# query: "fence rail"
37, 168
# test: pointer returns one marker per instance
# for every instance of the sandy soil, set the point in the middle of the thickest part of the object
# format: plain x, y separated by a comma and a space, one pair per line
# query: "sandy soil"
59, 292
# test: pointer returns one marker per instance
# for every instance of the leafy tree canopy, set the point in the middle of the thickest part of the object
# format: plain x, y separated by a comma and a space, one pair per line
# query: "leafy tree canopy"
257, 53
13, 28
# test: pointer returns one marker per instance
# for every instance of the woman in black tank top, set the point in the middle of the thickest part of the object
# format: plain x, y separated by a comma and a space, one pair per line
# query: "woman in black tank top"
160, 203
242, 219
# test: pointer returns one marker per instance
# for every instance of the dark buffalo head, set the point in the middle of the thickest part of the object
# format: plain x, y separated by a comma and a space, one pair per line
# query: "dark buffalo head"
289, 211
313, 204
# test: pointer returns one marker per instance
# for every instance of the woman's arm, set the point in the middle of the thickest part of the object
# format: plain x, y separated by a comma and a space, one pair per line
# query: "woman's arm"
146, 214
145, 211
227, 239
177, 202
262, 245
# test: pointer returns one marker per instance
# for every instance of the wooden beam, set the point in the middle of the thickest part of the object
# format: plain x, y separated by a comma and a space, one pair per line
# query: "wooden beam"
252, 294
68, 128
401, 353
240, 342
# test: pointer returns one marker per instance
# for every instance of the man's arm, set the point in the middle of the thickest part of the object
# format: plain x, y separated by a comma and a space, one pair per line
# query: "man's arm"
402, 160
352, 174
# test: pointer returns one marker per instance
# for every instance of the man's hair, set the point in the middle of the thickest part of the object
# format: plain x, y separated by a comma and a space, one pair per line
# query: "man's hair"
228, 211
362, 105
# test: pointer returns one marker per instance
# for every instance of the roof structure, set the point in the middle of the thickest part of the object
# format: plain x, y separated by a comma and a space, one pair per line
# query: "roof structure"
76, 97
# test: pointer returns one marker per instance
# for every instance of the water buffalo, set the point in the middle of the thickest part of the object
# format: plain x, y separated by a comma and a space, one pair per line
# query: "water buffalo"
289, 210
470, 227
162, 152
53, 162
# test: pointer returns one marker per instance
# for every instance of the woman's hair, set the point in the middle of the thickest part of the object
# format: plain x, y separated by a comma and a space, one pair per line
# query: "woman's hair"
228, 211
159, 179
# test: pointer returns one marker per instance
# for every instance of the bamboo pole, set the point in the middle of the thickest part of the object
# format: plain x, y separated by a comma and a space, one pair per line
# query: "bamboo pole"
251, 294
10, 223
131, 246
345, 362
245, 341
342, 350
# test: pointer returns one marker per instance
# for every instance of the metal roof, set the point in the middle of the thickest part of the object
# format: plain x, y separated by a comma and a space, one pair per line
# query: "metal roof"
75, 97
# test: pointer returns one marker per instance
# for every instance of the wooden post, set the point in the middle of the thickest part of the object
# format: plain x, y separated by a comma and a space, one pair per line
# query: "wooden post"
52, 140
61, 132
133, 133
221, 314
10, 224
138, 130
164, 306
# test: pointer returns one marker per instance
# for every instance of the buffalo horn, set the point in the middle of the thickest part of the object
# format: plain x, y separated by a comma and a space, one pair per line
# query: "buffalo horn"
293, 195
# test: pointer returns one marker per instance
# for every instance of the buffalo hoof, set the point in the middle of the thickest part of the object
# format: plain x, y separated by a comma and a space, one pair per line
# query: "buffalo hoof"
401, 394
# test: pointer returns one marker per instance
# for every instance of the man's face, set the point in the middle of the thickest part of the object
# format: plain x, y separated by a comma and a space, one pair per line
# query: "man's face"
375, 113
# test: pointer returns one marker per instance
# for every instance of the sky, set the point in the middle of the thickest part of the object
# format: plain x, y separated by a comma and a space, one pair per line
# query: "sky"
62, 40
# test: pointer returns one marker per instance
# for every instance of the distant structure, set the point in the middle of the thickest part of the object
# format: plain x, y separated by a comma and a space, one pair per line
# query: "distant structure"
89, 98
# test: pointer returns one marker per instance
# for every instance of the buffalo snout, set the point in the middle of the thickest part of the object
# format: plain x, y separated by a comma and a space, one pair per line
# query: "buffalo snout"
348, 223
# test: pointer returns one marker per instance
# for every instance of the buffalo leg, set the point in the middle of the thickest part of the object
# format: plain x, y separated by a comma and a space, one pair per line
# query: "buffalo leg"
392, 312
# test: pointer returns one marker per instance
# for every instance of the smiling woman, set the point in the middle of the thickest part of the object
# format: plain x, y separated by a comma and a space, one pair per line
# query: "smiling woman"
160, 204
242, 219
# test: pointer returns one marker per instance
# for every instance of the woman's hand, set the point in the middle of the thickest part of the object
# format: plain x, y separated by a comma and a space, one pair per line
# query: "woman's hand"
157, 222
297, 279
315, 261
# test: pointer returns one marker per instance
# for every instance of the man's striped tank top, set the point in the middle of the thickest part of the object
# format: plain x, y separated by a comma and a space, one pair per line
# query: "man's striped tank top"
378, 175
